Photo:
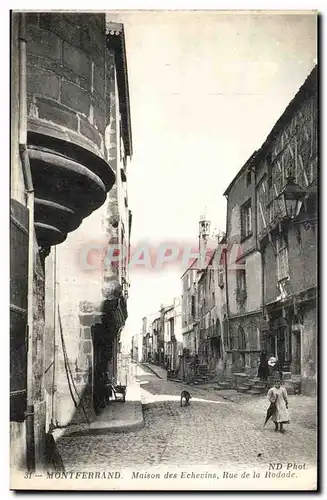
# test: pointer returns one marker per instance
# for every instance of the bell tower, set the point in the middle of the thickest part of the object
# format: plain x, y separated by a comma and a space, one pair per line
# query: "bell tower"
204, 234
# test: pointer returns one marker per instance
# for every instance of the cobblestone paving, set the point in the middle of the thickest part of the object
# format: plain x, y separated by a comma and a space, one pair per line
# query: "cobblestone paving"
212, 430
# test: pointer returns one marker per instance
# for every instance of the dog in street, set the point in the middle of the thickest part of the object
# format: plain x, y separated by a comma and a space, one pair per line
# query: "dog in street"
186, 396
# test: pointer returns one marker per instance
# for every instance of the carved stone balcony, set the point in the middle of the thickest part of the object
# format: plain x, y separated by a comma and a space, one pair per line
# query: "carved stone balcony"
70, 182
69, 81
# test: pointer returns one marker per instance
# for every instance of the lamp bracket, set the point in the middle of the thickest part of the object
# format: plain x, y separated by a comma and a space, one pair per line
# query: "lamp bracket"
308, 224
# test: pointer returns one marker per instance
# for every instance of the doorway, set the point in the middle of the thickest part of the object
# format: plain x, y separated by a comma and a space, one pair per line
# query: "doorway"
296, 352
102, 352
281, 333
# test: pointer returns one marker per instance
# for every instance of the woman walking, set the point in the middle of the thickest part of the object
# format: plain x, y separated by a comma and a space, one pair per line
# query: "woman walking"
263, 369
277, 395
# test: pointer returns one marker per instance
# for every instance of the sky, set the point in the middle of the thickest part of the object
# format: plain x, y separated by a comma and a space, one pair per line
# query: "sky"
205, 90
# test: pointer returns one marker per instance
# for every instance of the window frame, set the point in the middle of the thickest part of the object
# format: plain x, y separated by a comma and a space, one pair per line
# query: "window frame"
239, 273
280, 250
245, 216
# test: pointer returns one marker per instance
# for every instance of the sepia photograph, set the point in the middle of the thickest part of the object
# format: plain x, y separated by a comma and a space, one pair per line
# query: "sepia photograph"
164, 250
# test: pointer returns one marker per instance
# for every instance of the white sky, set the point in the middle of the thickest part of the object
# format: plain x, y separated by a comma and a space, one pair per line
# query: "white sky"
205, 90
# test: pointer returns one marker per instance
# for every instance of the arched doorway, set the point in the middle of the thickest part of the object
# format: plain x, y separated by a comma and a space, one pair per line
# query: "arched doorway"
215, 344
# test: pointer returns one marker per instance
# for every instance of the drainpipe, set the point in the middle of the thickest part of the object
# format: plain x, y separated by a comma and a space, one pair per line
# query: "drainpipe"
258, 247
226, 277
30, 441
227, 299
55, 347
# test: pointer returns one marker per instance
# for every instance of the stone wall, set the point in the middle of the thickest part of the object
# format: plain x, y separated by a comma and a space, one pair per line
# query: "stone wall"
66, 72
17, 446
38, 346
309, 351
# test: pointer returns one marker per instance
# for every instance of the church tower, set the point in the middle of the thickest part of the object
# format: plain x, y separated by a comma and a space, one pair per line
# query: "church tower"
204, 234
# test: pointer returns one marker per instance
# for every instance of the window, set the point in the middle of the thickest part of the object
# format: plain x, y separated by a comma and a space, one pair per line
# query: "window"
248, 178
171, 328
241, 339
241, 279
193, 306
282, 258
241, 293
246, 220
221, 277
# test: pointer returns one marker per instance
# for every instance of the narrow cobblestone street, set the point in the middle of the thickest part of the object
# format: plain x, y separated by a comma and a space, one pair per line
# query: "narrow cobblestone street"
212, 430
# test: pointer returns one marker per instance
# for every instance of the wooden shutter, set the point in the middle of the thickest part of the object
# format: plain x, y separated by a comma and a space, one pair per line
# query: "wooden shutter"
18, 309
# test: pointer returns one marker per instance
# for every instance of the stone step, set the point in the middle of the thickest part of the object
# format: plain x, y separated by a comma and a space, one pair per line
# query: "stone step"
256, 392
258, 385
246, 384
242, 388
223, 387
224, 384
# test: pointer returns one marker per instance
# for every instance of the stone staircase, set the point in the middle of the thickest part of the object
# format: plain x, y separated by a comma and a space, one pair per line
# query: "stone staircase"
248, 384
243, 382
253, 386
203, 376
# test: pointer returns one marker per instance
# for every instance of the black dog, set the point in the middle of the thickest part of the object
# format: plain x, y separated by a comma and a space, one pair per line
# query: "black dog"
187, 396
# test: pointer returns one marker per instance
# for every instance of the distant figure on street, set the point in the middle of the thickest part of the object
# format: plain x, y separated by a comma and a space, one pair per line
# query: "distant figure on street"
263, 370
278, 396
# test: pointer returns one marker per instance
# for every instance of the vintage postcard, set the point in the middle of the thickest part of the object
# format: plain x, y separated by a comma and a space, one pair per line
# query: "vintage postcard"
163, 232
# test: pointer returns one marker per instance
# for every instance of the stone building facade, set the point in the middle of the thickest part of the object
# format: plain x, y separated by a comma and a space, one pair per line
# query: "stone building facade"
259, 290
244, 280
162, 339
173, 339
158, 341
136, 347
272, 292
204, 307
211, 313
289, 245
189, 310
71, 142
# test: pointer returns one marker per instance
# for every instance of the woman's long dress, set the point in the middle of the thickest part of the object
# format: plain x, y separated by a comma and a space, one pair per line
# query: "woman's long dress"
279, 397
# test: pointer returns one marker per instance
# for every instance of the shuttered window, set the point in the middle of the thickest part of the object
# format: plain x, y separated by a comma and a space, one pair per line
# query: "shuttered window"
18, 310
